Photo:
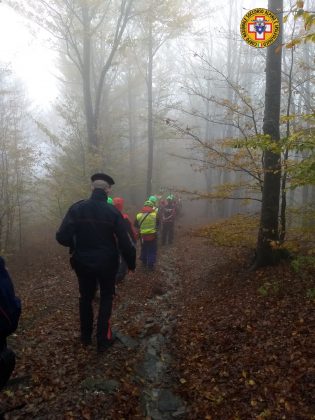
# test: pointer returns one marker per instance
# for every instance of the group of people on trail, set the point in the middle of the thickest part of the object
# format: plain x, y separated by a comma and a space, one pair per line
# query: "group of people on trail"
102, 242
102, 246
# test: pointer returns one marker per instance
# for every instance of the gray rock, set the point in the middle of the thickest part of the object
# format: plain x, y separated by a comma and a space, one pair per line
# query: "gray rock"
152, 351
152, 368
168, 401
154, 414
167, 358
156, 341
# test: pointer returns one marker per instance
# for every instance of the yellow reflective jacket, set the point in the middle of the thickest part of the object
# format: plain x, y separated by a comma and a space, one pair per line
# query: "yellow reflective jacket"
147, 222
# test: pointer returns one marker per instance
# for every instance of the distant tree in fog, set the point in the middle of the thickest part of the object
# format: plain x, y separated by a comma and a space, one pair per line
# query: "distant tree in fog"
160, 21
238, 153
89, 34
17, 162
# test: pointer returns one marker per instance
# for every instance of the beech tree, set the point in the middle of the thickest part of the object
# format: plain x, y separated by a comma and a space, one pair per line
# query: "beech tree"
160, 21
17, 162
269, 219
89, 33
255, 149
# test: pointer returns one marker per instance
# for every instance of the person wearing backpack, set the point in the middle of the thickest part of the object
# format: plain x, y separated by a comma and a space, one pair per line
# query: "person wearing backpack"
147, 223
10, 311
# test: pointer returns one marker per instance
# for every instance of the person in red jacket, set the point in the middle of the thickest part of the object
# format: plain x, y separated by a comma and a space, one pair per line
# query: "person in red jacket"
123, 269
119, 204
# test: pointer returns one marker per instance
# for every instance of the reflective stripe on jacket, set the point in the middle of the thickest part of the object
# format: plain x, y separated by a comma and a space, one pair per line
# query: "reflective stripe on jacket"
147, 222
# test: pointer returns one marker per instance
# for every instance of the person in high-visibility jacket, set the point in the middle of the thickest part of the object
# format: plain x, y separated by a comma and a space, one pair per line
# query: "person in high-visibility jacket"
147, 224
154, 201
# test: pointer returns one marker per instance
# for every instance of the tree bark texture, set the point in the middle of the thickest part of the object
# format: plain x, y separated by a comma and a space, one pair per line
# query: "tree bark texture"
269, 229
92, 106
86, 79
132, 139
150, 111
283, 207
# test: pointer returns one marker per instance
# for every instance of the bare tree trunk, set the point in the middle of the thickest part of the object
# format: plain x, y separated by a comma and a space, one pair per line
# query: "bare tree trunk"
92, 111
269, 229
131, 127
86, 80
229, 69
19, 209
9, 228
283, 207
150, 111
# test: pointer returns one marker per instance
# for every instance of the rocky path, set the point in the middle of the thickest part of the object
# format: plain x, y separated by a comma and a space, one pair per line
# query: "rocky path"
159, 400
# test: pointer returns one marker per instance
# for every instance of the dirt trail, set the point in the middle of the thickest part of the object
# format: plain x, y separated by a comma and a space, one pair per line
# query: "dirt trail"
194, 341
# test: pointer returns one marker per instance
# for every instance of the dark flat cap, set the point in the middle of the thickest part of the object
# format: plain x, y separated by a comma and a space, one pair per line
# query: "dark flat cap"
103, 177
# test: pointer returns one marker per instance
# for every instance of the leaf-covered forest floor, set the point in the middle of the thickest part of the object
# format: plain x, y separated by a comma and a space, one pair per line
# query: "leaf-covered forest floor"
200, 338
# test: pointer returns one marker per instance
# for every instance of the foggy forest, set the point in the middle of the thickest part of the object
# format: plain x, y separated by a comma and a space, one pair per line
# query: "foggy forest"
169, 100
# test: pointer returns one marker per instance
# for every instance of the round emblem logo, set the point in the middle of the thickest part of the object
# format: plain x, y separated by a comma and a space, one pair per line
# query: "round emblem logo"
260, 28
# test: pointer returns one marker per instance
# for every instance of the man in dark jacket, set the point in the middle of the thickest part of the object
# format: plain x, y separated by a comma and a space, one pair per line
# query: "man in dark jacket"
95, 233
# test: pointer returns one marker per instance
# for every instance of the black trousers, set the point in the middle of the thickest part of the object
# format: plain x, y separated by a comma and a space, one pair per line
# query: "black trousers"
88, 280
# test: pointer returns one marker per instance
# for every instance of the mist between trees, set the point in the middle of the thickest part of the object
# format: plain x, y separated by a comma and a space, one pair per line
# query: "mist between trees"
162, 95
